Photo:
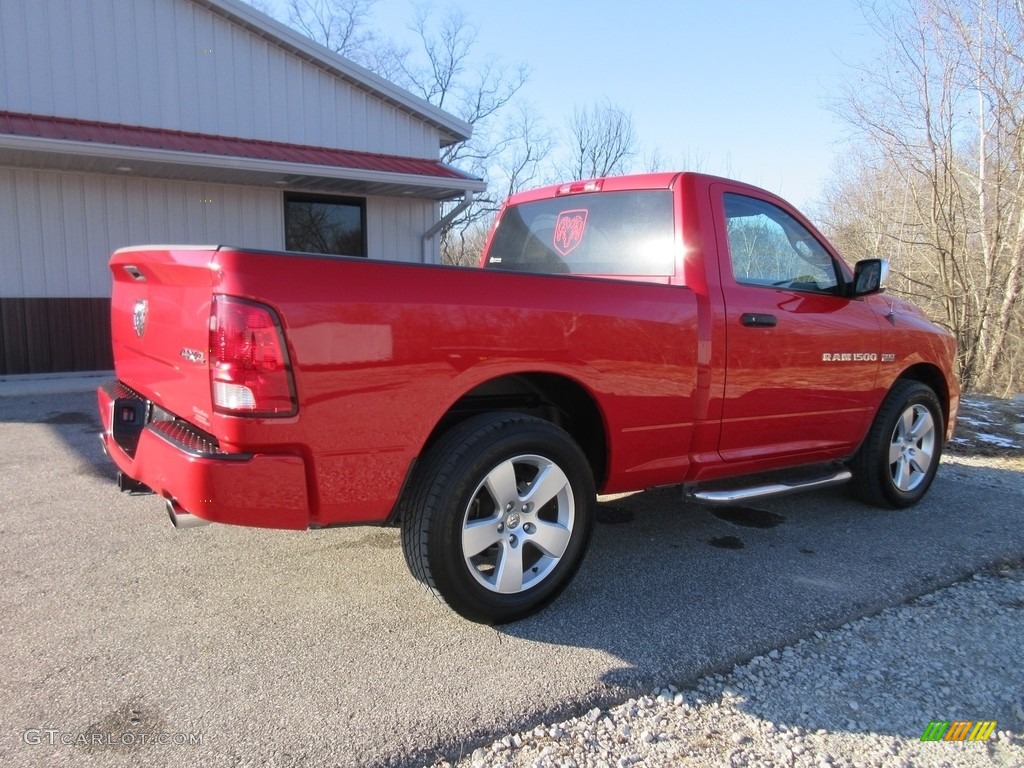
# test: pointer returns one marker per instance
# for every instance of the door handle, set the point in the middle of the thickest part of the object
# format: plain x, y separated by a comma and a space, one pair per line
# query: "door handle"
757, 320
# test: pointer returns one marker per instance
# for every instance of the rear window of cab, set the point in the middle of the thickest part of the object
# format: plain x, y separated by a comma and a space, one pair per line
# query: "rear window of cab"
611, 233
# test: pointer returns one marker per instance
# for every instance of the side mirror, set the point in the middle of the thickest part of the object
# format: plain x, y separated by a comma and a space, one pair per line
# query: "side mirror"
869, 276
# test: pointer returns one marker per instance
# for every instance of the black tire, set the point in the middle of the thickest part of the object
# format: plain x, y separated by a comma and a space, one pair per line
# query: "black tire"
897, 461
526, 554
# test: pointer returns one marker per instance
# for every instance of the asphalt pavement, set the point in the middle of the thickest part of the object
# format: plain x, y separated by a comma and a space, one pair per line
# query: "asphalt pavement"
126, 642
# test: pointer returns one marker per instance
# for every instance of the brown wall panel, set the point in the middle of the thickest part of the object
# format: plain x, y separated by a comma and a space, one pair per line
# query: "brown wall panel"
12, 335
54, 335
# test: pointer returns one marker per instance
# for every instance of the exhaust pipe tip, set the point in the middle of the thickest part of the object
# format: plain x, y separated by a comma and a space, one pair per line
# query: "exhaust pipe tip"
182, 519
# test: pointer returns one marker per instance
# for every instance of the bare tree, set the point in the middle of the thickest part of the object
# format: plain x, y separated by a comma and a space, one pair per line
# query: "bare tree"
445, 71
341, 25
443, 68
463, 247
937, 181
525, 152
602, 142
520, 161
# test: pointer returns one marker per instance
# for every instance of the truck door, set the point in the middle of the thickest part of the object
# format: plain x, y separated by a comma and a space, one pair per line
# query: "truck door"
801, 360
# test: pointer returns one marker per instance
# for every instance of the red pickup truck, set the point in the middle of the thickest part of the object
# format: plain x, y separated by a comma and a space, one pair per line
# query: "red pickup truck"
621, 334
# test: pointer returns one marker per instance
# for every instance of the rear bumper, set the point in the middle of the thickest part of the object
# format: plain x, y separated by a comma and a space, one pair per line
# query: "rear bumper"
186, 467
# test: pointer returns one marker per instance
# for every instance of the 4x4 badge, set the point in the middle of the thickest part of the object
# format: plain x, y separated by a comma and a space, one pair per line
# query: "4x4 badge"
139, 317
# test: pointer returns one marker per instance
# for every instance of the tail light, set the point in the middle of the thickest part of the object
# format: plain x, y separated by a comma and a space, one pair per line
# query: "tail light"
250, 373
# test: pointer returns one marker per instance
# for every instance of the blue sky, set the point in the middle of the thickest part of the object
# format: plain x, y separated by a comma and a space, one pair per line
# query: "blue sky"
742, 86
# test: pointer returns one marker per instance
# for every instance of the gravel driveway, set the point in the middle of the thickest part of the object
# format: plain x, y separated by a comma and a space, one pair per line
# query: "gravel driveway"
860, 695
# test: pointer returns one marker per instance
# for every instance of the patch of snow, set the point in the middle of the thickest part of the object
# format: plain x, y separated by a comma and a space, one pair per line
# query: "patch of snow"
1002, 442
975, 402
973, 422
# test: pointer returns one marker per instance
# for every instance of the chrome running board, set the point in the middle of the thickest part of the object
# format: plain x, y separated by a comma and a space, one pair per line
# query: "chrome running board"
737, 495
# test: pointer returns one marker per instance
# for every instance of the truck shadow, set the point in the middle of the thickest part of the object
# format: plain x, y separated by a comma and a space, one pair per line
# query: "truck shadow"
71, 418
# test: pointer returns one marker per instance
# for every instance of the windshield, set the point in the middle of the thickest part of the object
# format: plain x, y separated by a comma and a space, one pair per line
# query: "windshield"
608, 233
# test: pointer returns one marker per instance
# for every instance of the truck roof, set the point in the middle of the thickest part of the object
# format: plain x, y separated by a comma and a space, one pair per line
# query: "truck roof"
661, 180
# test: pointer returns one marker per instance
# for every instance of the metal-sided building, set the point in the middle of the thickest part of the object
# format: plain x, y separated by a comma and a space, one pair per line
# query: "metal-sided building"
127, 122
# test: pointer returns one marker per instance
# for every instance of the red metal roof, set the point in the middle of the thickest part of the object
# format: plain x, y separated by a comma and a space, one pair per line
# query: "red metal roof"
69, 129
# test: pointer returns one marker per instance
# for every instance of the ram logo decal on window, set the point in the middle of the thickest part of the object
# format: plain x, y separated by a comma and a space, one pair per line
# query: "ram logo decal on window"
569, 230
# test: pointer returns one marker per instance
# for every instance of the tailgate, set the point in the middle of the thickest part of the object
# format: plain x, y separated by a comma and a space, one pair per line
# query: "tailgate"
160, 325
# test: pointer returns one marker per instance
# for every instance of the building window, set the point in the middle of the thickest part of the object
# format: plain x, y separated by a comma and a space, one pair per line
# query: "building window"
318, 224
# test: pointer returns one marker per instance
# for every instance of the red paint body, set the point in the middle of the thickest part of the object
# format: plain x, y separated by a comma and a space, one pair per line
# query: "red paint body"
661, 381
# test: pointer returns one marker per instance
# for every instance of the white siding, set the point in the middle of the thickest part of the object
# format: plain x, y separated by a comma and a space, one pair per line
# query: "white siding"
57, 230
173, 64
395, 227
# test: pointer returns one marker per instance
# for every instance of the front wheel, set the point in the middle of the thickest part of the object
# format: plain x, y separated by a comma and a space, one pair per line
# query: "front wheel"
498, 515
897, 462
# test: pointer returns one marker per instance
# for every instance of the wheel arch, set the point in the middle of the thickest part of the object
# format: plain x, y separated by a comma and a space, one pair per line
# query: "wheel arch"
549, 396
931, 376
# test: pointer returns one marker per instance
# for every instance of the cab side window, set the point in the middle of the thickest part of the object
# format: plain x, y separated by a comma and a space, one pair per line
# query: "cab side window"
770, 248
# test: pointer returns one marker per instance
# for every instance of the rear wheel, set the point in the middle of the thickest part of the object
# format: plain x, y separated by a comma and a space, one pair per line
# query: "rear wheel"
897, 462
498, 516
